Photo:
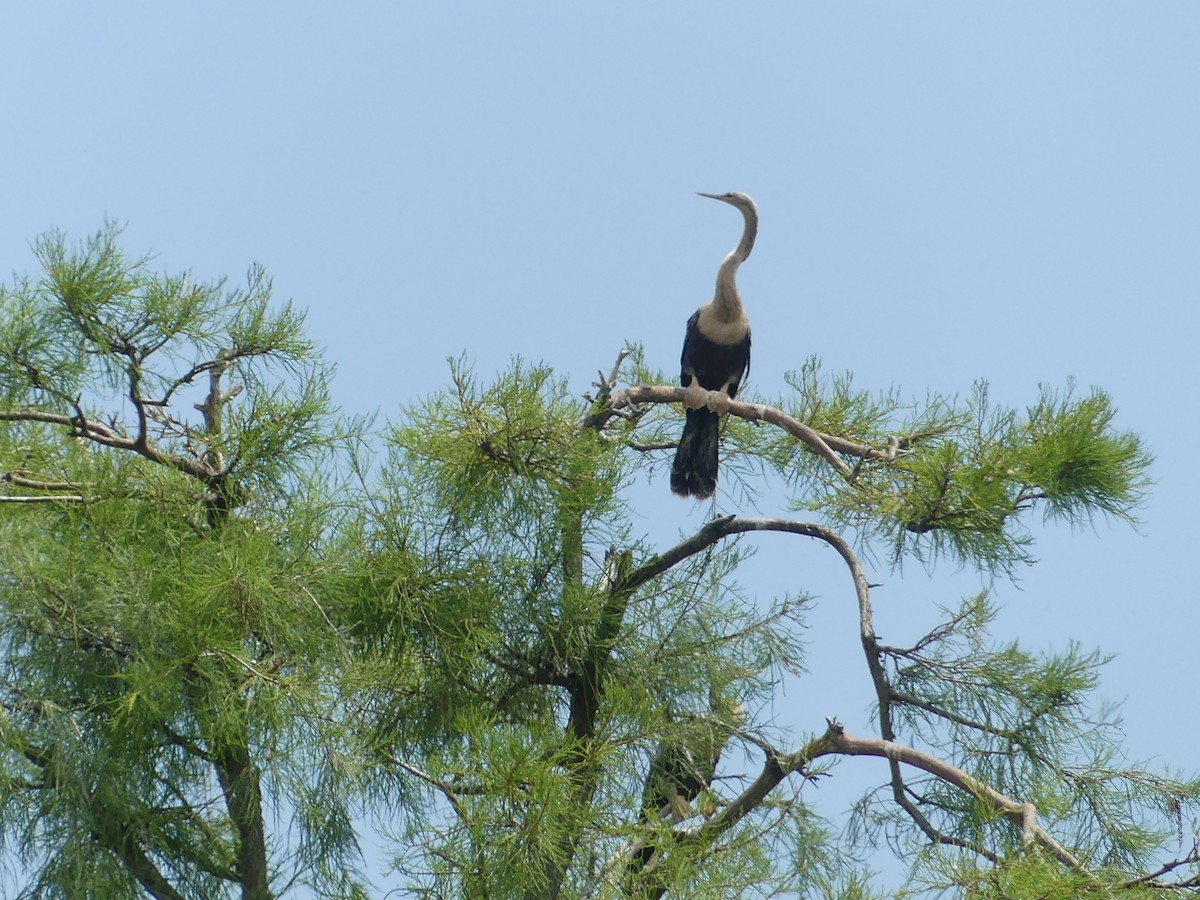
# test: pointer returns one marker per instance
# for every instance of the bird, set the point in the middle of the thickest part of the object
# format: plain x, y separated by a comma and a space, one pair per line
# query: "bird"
716, 356
684, 765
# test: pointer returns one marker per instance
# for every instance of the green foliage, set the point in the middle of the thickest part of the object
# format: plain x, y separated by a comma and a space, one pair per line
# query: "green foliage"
546, 685
1036, 875
164, 645
950, 481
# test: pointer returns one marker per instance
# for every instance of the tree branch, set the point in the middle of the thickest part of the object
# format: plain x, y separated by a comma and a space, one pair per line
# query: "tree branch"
239, 780
835, 742
725, 526
827, 446
1152, 879
94, 431
602, 407
20, 480
443, 788
58, 490
77, 424
57, 498
1024, 815
907, 699
119, 838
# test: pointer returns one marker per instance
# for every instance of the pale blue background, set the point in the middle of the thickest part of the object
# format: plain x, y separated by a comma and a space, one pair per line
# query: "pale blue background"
949, 191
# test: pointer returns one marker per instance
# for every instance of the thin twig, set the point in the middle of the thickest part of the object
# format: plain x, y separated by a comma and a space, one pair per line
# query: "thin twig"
441, 786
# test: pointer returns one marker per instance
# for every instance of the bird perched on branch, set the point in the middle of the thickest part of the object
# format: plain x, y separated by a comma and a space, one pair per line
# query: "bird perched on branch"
716, 356
684, 765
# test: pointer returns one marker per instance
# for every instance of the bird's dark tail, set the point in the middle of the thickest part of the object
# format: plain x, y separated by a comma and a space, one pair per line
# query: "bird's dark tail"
640, 860
641, 856
694, 472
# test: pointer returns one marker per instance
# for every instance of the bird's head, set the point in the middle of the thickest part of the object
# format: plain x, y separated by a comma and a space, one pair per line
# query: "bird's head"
733, 198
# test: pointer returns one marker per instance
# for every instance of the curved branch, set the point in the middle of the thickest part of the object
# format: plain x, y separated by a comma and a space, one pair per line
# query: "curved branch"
1153, 879
724, 526
1024, 815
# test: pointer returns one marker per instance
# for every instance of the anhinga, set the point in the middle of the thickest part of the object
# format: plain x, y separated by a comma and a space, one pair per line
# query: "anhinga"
684, 765
716, 355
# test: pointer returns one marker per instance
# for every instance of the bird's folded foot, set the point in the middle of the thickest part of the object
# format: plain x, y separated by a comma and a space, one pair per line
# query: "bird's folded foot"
694, 396
718, 402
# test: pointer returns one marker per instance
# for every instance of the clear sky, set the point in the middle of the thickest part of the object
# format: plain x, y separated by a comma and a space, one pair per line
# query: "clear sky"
949, 191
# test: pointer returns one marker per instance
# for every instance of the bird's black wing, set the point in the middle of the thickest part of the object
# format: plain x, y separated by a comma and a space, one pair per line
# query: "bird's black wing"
686, 369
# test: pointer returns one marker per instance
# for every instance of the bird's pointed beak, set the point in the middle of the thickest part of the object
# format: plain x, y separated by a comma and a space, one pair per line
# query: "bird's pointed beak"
710, 196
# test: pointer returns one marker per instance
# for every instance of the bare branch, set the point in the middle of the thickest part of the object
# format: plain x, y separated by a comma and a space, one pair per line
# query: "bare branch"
827, 446
81, 426
58, 489
21, 480
1024, 815
189, 376
602, 407
443, 788
725, 526
835, 742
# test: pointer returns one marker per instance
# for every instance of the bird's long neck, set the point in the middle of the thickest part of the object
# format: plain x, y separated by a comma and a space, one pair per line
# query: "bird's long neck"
727, 302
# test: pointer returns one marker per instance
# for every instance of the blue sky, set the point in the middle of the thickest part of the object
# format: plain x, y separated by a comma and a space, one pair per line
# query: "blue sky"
949, 191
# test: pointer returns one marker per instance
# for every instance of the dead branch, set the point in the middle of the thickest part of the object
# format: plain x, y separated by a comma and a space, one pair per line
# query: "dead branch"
1023, 814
